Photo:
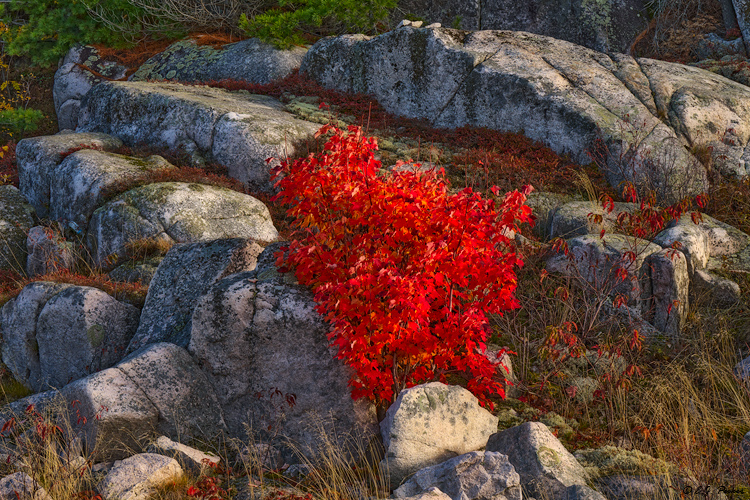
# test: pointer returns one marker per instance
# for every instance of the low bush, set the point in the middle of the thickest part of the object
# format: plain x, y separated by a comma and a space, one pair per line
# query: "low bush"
404, 272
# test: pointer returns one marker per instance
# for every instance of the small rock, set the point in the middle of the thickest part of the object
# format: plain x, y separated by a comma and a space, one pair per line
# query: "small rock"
430, 423
136, 477
19, 486
190, 459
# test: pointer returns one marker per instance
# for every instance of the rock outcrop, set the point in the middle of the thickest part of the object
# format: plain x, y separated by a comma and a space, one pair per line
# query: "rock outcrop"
645, 112
236, 129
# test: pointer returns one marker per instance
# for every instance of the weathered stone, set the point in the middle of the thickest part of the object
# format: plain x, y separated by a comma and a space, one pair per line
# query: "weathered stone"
190, 459
629, 474
20, 349
712, 46
186, 273
187, 403
430, 423
577, 218
666, 291
237, 129
250, 60
114, 415
175, 212
429, 494
264, 346
561, 94
16, 219
546, 468
38, 156
55, 333
80, 330
606, 26
75, 77
543, 206
48, 251
708, 288
136, 477
83, 180
597, 262
20, 486
475, 475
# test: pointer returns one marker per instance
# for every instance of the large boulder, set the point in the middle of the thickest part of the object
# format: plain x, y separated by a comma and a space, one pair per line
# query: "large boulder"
157, 391
430, 423
250, 60
238, 130
546, 468
644, 111
16, 219
187, 272
80, 69
666, 291
175, 212
606, 26
38, 156
475, 475
264, 346
84, 179
54, 334
600, 263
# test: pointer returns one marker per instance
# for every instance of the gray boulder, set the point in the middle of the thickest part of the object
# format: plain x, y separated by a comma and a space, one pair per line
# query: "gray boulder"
38, 156
80, 69
16, 219
429, 494
237, 129
544, 206
48, 251
475, 475
83, 180
54, 334
572, 219
546, 468
187, 272
561, 94
430, 423
175, 212
264, 346
18, 322
606, 26
157, 391
250, 60
708, 288
135, 478
596, 261
666, 291
21, 486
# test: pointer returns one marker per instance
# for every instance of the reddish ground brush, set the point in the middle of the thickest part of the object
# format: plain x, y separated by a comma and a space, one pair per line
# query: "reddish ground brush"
404, 272
8, 165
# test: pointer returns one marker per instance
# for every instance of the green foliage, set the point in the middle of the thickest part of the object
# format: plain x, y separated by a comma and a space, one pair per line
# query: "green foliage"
18, 121
283, 25
44, 30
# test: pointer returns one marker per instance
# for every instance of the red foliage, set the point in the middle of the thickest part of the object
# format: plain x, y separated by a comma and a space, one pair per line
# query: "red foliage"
404, 272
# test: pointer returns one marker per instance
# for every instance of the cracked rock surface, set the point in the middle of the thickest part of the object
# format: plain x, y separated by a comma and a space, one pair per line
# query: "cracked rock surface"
236, 129
562, 94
